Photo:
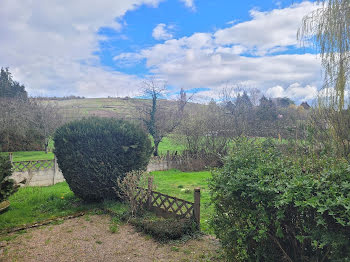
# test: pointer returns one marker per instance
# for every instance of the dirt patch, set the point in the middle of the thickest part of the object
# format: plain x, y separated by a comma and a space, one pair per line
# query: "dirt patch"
89, 238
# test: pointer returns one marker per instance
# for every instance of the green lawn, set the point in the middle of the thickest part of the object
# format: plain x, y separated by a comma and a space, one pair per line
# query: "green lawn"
34, 204
32, 155
168, 143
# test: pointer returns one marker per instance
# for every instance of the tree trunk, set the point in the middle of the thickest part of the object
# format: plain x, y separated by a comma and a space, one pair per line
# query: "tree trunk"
156, 144
46, 145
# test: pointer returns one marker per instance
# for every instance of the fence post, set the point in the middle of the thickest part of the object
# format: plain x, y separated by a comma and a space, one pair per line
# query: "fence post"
167, 160
11, 157
196, 207
149, 196
55, 169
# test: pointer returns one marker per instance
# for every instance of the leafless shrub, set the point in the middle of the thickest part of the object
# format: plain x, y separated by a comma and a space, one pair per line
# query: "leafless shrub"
131, 189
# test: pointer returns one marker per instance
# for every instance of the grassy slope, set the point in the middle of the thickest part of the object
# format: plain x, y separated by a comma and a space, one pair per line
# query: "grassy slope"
110, 107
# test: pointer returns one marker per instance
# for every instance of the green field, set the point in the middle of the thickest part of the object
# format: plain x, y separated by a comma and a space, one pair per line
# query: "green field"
34, 204
166, 144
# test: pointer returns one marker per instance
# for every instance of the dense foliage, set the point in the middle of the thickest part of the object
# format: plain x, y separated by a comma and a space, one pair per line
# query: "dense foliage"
7, 185
270, 206
94, 152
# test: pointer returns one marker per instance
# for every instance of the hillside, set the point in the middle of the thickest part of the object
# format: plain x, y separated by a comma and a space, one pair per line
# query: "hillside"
125, 108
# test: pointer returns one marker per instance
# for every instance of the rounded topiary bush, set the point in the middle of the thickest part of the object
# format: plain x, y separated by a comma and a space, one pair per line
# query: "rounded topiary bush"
94, 152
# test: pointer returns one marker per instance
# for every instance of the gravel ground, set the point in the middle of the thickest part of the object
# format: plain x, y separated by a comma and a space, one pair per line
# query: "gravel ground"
88, 238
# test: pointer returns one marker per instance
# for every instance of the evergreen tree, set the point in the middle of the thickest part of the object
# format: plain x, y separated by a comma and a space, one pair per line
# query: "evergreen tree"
266, 110
10, 88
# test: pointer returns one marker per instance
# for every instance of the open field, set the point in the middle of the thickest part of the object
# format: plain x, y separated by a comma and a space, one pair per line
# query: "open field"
166, 144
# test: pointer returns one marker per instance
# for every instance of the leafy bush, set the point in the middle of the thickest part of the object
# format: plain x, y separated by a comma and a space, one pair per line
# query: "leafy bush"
94, 152
164, 229
7, 185
274, 207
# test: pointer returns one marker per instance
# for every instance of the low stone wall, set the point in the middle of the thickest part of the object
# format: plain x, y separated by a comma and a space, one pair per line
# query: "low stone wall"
37, 173
44, 177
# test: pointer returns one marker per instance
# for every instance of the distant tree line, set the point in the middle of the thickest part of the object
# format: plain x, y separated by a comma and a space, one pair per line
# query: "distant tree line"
210, 129
71, 97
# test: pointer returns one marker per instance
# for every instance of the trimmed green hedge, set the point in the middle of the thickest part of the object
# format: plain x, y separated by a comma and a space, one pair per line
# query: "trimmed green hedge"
273, 207
94, 152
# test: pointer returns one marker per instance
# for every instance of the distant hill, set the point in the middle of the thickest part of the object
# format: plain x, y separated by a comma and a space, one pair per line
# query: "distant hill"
121, 108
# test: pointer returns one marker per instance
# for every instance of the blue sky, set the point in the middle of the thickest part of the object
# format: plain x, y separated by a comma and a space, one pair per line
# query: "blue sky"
108, 49
206, 16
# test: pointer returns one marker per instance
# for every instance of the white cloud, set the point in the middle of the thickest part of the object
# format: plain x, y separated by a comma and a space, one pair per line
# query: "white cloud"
189, 3
161, 32
294, 91
266, 31
49, 45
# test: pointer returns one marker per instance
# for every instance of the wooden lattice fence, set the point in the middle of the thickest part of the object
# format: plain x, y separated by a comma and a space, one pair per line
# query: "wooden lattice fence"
22, 166
167, 206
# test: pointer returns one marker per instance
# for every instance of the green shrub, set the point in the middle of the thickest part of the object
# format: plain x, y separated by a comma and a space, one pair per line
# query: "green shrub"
7, 185
163, 229
94, 152
273, 207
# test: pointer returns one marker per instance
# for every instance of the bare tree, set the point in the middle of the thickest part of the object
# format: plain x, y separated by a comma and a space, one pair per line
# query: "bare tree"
48, 120
161, 120
255, 95
14, 122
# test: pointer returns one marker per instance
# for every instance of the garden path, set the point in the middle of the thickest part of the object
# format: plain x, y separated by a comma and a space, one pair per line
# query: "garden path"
88, 238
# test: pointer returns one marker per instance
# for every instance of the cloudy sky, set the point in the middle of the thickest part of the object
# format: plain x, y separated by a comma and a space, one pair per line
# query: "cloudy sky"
107, 47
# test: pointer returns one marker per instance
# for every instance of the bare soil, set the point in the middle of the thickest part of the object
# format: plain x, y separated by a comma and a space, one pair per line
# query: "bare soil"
89, 238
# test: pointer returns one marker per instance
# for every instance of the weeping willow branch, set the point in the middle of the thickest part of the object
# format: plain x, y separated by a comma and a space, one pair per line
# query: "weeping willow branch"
328, 29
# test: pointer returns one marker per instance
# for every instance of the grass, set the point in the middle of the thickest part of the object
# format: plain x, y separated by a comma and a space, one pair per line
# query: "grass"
35, 204
169, 144
32, 155
181, 184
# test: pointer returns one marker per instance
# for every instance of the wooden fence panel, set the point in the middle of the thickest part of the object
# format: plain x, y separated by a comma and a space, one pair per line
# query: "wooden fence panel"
166, 205
22, 166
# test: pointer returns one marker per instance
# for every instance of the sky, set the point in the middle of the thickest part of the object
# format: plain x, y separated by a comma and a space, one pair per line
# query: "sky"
109, 47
